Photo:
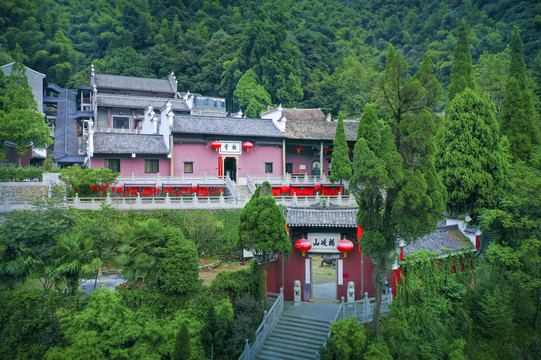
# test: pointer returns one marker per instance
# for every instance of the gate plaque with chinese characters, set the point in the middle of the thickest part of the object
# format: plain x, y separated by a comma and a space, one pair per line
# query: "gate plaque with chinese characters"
324, 242
230, 147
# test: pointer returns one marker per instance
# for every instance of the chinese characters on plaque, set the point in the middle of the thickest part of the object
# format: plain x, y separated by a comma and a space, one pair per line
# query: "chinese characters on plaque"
324, 242
230, 147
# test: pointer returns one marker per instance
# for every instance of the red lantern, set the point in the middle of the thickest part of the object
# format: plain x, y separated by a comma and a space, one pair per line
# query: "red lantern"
303, 245
298, 148
216, 145
326, 149
247, 145
345, 246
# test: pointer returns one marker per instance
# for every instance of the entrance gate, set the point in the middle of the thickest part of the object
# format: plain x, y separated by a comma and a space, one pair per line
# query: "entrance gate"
324, 276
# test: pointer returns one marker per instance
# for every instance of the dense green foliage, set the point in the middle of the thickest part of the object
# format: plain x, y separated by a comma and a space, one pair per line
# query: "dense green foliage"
310, 53
462, 69
57, 247
519, 120
472, 160
12, 173
262, 230
394, 181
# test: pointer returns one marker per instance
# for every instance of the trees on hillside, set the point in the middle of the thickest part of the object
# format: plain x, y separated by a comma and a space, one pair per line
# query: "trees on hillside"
251, 95
462, 69
20, 121
519, 121
471, 161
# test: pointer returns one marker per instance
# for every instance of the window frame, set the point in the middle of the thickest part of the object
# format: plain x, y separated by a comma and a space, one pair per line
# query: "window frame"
188, 163
106, 165
149, 166
120, 116
267, 166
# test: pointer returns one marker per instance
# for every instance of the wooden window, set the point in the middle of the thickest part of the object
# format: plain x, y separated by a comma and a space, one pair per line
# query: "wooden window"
188, 167
152, 166
121, 122
113, 164
268, 168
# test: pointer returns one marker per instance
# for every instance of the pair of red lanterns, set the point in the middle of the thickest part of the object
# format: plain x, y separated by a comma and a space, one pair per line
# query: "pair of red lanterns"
343, 245
247, 145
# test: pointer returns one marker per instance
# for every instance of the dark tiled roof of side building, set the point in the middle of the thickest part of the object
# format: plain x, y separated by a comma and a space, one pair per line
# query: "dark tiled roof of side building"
136, 102
225, 126
445, 237
311, 124
133, 83
111, 143
322, 217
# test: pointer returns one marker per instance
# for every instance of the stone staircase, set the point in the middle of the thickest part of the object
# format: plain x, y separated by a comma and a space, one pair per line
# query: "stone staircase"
294, 337
244, 192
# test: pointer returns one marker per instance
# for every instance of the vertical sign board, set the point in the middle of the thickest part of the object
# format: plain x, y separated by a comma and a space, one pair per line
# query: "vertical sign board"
307, 270
220, 167
340, 271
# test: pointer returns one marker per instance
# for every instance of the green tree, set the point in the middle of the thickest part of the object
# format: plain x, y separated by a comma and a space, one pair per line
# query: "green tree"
262, 230
397, 198
274, 58
490, 76
347, 341
250, 95
80, 180
340, 163
178, 266
517, 253
204, 230
182, 349
217, 329
20, 120
402, 94
73, 258
143, 244
518, 121
472, 161
462, 69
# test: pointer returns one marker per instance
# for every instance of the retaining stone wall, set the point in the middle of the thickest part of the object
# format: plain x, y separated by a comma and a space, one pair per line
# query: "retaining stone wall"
23, 191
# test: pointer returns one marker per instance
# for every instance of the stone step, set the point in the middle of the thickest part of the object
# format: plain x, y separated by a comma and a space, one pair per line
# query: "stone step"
294, 337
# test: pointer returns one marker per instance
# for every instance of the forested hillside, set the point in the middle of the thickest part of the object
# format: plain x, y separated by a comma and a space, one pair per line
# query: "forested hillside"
304, 53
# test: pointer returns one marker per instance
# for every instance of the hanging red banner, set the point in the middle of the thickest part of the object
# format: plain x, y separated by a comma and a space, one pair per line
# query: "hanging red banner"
220, 167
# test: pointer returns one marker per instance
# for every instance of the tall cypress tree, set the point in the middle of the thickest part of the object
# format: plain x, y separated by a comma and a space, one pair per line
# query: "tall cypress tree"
340, 163
462, 68
518, 112
472, 161
397, 197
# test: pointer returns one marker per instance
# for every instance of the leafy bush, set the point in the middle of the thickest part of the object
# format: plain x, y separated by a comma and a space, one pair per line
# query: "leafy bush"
240, 283
27, 324
81, 180
12, 173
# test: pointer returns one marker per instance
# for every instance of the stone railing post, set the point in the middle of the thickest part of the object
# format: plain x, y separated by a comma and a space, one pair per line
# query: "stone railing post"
138, 200
108, 199
167, 201
366, 305
247, 350
76, 201
343, 307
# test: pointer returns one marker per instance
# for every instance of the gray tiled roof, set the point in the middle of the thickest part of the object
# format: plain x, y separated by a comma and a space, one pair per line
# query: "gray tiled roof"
212, 125
322, 217
71, 159
317, 129
133, 83
445, 237
110, 143
140, 102
65, 134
